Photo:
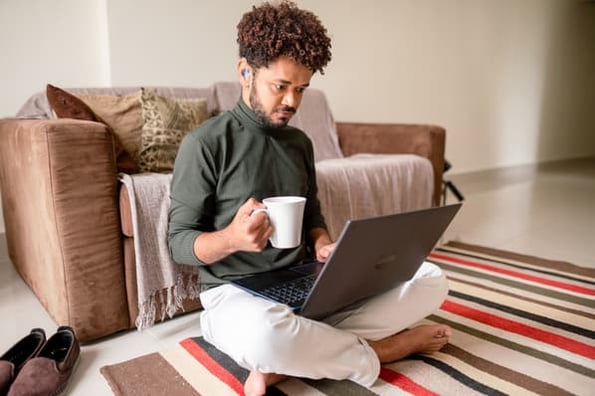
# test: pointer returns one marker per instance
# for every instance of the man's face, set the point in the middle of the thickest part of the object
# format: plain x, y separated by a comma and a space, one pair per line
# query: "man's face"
276, 91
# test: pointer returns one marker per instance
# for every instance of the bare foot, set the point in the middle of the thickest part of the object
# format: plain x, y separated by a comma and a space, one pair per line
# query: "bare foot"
421, 339
257, 382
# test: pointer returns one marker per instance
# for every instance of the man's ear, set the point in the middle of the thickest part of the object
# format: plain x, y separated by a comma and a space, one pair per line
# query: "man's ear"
244, 71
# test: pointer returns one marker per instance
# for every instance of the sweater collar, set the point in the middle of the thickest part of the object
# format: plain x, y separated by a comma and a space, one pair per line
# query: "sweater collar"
246, 114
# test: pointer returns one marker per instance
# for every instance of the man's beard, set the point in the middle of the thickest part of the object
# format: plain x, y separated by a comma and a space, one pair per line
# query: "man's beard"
258, 108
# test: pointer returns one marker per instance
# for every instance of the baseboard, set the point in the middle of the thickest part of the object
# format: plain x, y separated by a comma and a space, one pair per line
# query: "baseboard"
495, 178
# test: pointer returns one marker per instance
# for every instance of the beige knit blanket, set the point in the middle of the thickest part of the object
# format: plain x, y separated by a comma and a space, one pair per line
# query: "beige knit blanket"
156, 273
368, 185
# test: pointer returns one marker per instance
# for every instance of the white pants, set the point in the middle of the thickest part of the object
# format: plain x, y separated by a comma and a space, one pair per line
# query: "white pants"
265, 336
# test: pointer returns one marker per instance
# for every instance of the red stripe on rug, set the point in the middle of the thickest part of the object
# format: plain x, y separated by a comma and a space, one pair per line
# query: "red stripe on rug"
211, 364
512, 326
404, 382
520, 275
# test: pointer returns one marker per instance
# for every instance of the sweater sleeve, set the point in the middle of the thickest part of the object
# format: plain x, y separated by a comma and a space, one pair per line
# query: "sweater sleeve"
313, 217
192, 199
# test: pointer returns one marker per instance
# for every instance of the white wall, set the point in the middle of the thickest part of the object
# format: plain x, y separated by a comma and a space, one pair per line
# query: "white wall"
60, 41
154, 43
513, 82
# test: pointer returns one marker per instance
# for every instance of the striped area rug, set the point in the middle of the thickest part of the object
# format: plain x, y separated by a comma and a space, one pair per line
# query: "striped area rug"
522, 325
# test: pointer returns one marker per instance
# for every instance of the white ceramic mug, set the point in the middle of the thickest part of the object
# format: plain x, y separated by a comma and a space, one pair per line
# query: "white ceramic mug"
286, 214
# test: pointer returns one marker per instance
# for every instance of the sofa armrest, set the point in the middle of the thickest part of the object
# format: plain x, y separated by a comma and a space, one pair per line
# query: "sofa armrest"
59, 196
424, 140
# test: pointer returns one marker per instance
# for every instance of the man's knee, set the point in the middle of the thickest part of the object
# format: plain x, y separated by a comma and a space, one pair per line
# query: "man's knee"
270, 331
431, 282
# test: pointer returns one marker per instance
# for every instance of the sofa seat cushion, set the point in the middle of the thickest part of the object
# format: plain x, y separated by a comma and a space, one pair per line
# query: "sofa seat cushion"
366, 185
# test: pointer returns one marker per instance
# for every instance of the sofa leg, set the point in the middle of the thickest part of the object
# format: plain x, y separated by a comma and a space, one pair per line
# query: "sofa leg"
449, 186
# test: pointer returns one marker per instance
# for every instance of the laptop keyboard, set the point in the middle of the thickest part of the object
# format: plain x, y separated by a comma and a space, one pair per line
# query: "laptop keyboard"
291, 292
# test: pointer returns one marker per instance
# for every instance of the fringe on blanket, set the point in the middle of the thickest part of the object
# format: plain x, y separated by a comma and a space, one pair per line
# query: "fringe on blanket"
170, 301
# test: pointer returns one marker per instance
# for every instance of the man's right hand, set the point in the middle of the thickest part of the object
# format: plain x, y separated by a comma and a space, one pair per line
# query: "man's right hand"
247, 232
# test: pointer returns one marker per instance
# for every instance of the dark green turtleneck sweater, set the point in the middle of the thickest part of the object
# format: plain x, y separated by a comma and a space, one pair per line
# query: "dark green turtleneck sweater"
219, 166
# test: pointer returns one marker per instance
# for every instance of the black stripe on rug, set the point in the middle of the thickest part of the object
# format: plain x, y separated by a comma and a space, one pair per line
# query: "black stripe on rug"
532, 300
343, 388
514, 377
518, 266
547, 357
230, 365
223, 359
514, 284
524, 314
457, 375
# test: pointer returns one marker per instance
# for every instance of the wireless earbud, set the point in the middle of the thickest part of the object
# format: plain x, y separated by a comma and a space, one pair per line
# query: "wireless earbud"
245, 73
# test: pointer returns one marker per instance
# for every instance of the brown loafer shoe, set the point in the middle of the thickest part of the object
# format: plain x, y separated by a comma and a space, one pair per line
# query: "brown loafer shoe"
15, 358
48, 373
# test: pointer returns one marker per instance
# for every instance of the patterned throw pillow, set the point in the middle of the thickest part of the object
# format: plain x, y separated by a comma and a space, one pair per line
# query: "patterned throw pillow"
166, 121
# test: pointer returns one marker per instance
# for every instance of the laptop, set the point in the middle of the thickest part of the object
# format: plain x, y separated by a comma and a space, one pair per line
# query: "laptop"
372, 255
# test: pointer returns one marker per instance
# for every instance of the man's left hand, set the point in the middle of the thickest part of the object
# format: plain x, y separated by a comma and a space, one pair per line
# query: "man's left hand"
323, 253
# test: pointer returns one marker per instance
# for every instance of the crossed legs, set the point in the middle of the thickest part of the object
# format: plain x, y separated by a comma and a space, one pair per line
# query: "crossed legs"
420, 339
350, 345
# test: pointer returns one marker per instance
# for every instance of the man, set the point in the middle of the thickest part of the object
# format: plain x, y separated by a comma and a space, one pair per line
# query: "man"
225, 168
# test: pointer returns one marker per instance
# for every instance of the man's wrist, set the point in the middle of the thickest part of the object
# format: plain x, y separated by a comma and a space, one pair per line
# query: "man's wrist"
210, 247
320, 237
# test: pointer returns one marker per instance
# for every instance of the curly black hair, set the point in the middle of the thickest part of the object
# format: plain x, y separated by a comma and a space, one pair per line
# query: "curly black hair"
271, 31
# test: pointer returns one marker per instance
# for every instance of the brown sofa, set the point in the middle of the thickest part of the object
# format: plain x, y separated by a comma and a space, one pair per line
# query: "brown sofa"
67, 217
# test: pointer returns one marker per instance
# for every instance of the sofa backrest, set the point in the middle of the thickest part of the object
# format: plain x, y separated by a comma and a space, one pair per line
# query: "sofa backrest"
37, 106
314, 116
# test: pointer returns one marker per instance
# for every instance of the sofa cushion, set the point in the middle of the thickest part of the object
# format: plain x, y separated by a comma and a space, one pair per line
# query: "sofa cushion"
166, 121
123, 113
315, 118
67, 105
366, 185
